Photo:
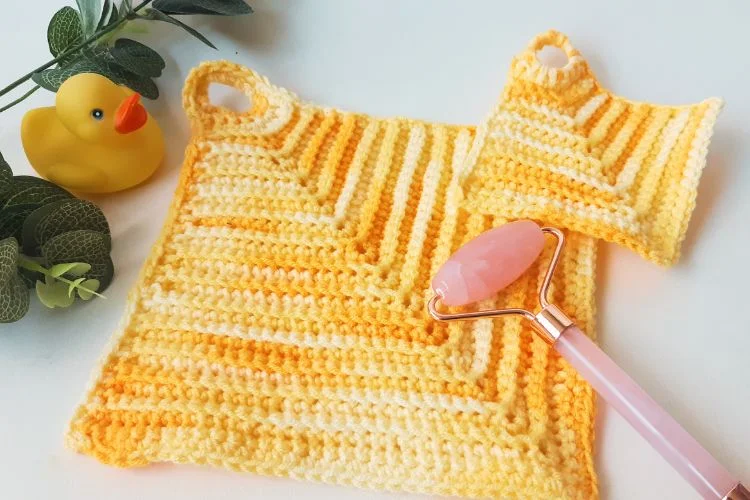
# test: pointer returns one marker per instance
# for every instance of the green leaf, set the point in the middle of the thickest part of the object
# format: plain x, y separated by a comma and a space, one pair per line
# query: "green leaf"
33, 232
86, 246
76, 246
89, 11
14, 300
72, 268
53, 293
6, 177
98, 60
28, 190
28, 194
209, 7
138, 58
31, 265
63, 300
156, 15
64, 31
112, 70
56, 218
114, 16
79, 269
14, 297
104, 19
27, 277
86, 289
51, 79
11, 223
8, 259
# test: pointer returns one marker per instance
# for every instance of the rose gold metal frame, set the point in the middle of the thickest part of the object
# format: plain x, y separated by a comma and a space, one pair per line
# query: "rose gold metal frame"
550, 322
739, 492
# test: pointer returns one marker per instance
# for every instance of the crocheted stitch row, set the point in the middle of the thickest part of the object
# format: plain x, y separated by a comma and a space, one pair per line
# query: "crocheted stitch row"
279, 326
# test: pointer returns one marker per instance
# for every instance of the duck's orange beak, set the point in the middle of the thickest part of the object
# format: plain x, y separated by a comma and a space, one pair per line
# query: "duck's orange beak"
130, 115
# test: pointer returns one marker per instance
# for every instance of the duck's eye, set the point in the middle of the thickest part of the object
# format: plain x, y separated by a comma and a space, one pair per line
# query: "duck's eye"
97, 114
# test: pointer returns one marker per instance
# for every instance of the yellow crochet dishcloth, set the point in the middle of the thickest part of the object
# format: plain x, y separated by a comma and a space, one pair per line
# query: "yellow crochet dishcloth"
279, 325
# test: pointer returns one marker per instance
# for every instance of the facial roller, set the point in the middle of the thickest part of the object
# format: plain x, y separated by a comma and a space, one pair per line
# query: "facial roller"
495, 259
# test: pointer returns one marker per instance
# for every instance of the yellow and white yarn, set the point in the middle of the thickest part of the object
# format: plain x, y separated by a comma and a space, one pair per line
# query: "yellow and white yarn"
279, 326
560, 148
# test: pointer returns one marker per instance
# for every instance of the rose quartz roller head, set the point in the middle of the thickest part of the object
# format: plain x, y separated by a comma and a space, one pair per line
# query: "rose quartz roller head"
492, 261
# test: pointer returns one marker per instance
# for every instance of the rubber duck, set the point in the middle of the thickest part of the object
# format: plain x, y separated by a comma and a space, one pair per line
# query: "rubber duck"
98, 138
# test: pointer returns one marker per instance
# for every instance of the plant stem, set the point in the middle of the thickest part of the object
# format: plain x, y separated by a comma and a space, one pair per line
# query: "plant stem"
68, 282
74, 49
27, 94
32, 265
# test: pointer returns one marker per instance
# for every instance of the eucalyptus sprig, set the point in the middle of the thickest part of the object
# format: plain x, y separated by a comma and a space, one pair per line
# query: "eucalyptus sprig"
88, 40
50, 241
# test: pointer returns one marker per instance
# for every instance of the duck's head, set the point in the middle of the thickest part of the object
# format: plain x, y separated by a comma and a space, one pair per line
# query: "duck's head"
95, 109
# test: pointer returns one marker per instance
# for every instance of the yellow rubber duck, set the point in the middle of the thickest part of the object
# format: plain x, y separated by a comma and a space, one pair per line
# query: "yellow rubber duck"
98, 138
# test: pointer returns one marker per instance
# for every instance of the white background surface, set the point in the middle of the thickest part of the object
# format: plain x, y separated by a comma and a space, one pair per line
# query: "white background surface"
679, 331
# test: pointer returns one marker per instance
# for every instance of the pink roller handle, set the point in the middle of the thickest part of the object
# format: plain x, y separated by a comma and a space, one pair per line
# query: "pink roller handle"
689, 458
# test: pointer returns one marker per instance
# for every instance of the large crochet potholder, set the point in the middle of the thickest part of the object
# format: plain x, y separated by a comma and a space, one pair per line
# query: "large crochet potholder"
279, 325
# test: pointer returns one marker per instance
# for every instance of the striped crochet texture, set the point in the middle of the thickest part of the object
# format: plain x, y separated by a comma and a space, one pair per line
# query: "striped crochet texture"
279, 326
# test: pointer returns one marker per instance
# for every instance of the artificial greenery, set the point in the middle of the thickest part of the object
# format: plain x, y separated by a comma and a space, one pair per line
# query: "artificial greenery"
88, 40
50, 241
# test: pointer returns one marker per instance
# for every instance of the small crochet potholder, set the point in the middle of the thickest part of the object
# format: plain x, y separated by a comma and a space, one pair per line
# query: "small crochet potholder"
279, 325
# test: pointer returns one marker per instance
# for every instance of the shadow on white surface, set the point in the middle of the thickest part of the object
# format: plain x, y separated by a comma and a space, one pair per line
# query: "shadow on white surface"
168, 481
264, 31
722, 163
